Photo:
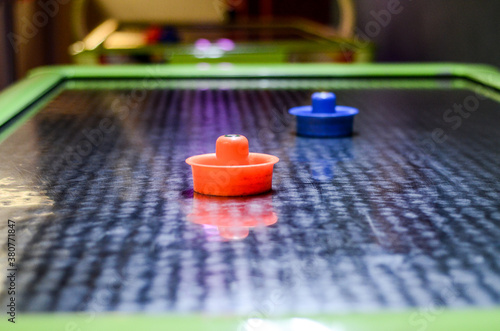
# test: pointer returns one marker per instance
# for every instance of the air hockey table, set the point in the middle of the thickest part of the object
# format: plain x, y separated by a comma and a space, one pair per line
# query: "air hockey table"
394, 228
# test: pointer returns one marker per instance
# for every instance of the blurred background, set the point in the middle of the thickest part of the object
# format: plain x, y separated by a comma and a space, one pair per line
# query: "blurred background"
44, 32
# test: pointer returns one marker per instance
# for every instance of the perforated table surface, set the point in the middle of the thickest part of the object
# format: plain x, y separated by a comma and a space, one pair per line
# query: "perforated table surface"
403, 215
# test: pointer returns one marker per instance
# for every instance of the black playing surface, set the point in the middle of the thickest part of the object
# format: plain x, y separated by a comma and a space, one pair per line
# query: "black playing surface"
389, 218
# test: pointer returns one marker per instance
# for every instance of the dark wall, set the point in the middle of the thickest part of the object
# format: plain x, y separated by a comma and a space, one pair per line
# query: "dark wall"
434, 30
6, 53
317, 10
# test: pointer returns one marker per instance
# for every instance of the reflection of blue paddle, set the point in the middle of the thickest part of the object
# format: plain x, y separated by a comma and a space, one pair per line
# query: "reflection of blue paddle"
321, 160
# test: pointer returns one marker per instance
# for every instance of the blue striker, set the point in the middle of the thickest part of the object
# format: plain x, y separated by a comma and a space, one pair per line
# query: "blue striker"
324, 118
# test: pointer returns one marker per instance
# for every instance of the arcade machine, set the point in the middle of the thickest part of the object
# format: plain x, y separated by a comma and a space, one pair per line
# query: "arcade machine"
214, 38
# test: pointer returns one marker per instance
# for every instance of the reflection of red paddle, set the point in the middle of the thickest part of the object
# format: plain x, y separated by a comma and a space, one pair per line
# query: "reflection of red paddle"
233, 217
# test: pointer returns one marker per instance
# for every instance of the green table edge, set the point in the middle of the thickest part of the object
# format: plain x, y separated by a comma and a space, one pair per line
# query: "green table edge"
432, 318
484, 73
43, 80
